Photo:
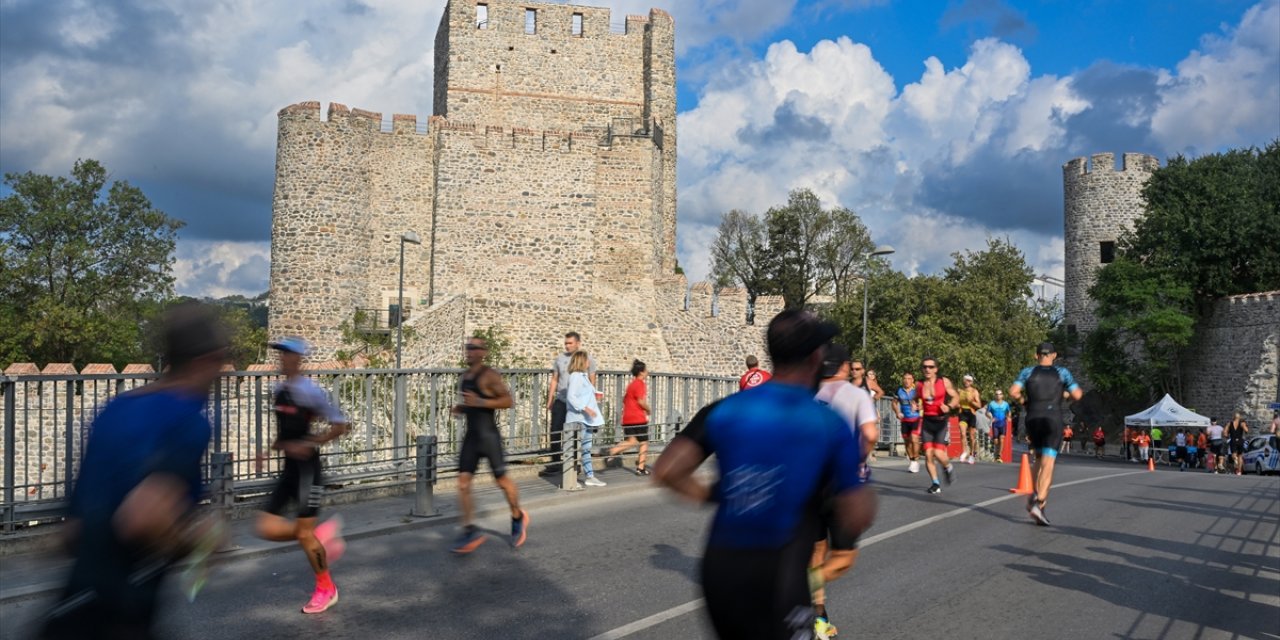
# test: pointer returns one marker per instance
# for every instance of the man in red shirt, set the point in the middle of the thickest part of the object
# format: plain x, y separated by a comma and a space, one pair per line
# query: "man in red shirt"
755, 376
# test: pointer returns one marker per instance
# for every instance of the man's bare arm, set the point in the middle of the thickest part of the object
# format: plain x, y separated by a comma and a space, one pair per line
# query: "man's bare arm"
676, 466
496, 389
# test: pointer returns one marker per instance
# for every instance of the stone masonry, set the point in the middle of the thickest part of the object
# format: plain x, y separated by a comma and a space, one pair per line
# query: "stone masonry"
543, 190
1235, 361
1099, 204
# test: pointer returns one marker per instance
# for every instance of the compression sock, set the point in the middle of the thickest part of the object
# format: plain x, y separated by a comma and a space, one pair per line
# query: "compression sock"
324, 580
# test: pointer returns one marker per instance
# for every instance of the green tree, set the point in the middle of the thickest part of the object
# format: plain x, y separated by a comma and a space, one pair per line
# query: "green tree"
1145, 321
82, 265
977, 317
740, 255
1213, 223
795, 231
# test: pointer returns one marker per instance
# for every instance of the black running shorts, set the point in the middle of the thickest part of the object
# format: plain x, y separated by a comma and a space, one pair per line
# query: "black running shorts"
300, 484
638, 431
1045, 432
833, 533
935, 433
482, 442
969, 419
759, 593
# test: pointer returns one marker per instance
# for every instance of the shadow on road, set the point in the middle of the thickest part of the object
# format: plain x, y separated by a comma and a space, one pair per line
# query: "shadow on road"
669, 558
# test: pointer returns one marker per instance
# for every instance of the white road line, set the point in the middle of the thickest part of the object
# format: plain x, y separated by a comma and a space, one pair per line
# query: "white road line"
694, 605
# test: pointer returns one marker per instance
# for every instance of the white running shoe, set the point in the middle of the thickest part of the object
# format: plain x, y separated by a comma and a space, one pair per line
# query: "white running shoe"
972, 459
914, 467
593, 481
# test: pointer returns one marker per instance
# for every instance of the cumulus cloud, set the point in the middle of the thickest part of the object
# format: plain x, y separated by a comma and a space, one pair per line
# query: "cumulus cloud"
962, 153
216, 268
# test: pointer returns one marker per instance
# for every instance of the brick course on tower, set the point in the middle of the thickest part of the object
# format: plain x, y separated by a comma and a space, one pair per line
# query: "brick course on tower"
543, 190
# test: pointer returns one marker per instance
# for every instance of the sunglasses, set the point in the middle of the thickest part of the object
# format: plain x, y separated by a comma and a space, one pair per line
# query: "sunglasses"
931, 366
474, 347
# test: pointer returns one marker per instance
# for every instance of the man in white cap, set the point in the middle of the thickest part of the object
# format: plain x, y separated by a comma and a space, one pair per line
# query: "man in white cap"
299, 402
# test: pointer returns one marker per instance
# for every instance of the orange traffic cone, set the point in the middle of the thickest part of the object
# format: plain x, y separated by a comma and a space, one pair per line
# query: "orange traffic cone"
1024, 477
1151, 464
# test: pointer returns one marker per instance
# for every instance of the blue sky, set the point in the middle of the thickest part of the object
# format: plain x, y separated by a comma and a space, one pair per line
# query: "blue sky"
950, 116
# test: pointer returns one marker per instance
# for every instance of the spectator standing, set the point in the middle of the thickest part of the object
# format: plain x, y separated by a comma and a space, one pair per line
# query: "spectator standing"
754, 376
1215, 446
1157, 441
1099, 442
583, 412
1237, 431
556, 392
1144, 446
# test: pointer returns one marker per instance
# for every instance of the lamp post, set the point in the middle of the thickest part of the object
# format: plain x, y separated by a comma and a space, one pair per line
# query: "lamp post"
411, 238
882, 250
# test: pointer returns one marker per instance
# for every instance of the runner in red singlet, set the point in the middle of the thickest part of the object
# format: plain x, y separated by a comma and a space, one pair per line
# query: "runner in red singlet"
937, 397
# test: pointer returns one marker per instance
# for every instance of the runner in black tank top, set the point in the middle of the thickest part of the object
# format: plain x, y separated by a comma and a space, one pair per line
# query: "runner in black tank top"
1042, 386
482, 392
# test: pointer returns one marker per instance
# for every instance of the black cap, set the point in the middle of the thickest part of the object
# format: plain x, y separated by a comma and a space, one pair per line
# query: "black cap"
1045, 349
834, 356
794, 334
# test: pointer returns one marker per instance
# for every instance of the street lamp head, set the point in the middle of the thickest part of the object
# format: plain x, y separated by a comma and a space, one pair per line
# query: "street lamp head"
411, 238
882, 250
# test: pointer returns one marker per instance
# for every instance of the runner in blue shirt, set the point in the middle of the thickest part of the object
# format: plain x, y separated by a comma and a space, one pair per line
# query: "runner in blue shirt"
780, 453
908, 409
998, 411
1045, 385
133, 508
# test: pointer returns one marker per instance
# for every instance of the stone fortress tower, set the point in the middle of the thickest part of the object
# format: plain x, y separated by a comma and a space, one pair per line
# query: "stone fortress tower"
542, 188
1234, 364
1100, 203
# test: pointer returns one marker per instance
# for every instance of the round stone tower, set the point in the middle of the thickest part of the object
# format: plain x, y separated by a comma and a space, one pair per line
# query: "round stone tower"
1099, 204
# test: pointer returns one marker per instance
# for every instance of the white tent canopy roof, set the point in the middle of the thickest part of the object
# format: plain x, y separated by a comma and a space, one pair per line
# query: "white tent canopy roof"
1167, 413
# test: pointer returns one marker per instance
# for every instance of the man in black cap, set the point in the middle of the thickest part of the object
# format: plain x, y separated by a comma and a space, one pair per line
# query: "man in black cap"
779, 452
1041, 388
133, 508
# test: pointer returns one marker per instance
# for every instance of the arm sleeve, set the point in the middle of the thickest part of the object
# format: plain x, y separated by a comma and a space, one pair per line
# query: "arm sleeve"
1067, 381
844, 456
1023, 376
696, 430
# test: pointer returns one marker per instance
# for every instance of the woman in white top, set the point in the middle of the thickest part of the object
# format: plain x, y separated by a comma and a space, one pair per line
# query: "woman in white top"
582, 411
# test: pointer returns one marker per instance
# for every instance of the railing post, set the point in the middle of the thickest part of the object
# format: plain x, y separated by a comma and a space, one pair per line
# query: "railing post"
222, 481
10, 443
570, 457
424, 503
399, 445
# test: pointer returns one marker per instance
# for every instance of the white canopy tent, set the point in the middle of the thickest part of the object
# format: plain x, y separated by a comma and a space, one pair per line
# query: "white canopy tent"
1166, 413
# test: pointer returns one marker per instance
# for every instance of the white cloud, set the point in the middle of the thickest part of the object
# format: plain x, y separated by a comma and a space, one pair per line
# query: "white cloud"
1228, 92
218, 268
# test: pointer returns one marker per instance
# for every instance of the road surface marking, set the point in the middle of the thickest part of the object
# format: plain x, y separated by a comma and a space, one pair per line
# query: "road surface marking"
694, 605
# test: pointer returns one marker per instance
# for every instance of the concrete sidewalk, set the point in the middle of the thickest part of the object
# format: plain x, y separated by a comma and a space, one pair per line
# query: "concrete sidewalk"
33, 574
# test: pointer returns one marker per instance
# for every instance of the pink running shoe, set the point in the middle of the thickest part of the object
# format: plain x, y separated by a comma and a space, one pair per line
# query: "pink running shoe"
329, 533
321, 600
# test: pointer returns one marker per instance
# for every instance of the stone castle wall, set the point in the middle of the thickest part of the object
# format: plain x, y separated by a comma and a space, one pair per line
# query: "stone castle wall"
1235, 363
1099, 204
539, 212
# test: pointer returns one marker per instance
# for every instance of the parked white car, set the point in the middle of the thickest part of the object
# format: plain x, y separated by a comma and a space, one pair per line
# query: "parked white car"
1262, 454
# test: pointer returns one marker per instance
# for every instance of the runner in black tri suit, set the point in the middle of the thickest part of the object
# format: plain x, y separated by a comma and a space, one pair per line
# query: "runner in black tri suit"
1043, 386
777, 451
298, 403
482, 392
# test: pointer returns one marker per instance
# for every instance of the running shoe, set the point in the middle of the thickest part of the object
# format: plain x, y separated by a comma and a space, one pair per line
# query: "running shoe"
642, 471
950, 473
823, 629
1031, 502
972, 459
321, 600
914, 467
519, 528
1037, 514
593, 481
329, 533
468, 541
934, 488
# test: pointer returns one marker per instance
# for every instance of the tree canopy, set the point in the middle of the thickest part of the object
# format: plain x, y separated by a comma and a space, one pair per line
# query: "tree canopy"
81, 264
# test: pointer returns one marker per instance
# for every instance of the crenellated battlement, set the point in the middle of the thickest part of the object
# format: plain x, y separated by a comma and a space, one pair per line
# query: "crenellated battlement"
1106, 162
491, 18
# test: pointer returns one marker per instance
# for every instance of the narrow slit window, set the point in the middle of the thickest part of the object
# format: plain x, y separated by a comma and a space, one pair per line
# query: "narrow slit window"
530, 21
1107, 252
482, 16
576, 25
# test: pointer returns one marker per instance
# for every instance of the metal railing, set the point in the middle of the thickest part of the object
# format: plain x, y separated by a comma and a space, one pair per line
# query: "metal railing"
46, 421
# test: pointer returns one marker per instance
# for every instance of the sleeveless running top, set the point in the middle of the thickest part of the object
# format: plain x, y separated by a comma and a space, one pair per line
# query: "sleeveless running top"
477, 417
293, 419
932, 407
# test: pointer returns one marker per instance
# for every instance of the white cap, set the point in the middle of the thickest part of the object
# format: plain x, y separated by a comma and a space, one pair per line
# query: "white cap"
969, 377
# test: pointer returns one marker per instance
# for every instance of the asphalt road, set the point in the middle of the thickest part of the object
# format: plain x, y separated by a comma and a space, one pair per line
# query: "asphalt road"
1131, 554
